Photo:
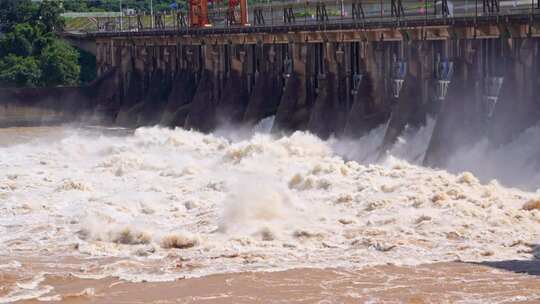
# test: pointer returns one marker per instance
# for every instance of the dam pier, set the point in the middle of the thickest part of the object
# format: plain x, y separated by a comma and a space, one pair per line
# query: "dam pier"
331, 68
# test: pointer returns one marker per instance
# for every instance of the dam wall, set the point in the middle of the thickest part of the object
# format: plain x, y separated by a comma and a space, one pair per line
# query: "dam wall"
95, 102
341, 74
476, 80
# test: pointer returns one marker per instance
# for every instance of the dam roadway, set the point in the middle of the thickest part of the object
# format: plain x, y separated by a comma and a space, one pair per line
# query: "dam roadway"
331, 68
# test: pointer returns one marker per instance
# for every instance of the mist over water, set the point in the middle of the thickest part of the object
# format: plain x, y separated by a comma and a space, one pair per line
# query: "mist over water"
410, 146
166, 204
515, 164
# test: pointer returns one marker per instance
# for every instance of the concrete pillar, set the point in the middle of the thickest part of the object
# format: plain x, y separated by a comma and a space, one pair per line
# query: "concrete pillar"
375, 59
100, 59
293, 112
232, 105
347, 69
201, 114
156, 72
368, 106
329, 112
137, 85
182, 92
515, 110
266, 94
409, 109
457, 123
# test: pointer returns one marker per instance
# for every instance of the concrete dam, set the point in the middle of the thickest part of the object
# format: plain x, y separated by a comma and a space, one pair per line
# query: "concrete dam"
331, 68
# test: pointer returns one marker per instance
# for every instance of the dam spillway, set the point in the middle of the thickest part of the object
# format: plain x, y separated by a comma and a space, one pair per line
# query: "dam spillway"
129, 201
473, 68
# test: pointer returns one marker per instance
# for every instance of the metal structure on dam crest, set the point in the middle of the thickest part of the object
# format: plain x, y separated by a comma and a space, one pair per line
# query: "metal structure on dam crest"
331, 67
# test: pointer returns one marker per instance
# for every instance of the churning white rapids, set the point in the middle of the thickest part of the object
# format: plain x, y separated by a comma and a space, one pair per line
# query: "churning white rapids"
143, 202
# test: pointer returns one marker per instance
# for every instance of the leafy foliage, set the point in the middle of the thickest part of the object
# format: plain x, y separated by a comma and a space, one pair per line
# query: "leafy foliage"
76, 6
49, 15
20, 71
114, 5
25, 40
13, 12
59, 62
30, 52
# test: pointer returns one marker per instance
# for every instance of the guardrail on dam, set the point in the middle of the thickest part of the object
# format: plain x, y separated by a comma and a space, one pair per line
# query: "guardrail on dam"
333, 68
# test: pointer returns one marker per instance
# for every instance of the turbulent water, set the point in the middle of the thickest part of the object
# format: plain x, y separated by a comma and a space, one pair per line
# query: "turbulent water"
159, 204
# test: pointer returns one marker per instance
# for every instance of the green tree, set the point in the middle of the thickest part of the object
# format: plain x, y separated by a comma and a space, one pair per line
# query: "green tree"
20, 71
114, 5
13, 12
59, 64
19, 42
76, 6
49, 15
30, 52
25, 40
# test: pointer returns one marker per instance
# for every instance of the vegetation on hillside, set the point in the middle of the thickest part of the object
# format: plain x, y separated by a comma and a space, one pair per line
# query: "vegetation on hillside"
114, 5
31, 54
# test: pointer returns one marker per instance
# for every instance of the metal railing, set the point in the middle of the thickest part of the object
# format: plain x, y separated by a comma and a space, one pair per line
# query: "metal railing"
269, 14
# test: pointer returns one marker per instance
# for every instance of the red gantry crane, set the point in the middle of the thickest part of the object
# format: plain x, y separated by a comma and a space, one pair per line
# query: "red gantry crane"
198, 12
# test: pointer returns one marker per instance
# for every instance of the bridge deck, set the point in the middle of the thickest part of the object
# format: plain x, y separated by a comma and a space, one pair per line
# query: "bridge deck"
338, 16
484, 27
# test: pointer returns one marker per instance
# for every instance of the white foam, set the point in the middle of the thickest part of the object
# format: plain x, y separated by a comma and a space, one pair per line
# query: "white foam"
515, 163
188, 204
27, 290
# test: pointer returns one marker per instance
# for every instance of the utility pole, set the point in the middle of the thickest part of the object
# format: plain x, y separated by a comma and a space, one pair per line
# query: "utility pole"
152, 12
121, 17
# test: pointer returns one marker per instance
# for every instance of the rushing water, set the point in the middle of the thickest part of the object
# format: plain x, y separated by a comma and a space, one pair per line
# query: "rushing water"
156, 204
